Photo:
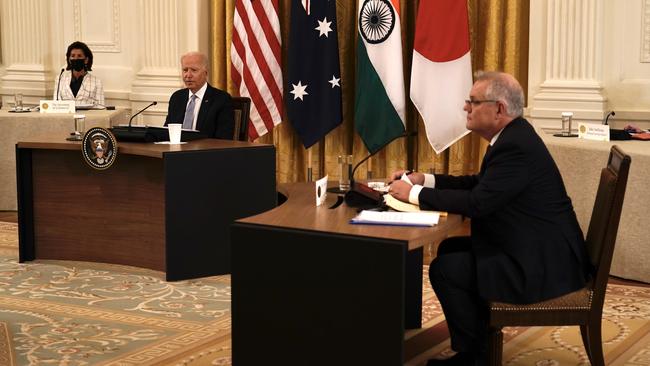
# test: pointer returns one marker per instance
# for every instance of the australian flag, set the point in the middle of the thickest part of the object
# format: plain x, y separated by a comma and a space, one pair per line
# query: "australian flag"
314, 84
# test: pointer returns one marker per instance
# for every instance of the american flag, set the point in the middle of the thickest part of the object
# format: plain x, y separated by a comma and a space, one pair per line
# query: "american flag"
256, 62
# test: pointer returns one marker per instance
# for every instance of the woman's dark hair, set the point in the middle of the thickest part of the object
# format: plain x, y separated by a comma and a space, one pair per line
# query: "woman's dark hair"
87, 52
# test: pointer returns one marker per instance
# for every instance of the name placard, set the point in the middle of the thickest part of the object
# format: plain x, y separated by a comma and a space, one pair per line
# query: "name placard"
57, 106
321, 190
592, 131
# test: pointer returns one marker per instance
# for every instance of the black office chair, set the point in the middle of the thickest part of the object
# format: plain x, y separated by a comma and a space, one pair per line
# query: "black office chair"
241, 107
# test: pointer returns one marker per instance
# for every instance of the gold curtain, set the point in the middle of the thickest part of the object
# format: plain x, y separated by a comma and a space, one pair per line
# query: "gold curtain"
499, 40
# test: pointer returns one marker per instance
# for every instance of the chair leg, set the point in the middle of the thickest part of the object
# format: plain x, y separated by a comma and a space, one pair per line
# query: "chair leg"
595, 342
495, 346
584, 331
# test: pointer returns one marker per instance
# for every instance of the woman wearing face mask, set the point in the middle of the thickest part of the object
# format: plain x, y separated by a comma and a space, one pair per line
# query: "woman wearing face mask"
76, 83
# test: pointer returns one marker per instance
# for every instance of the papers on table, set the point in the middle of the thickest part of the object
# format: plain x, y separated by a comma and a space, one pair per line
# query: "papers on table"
422, 218
398, 205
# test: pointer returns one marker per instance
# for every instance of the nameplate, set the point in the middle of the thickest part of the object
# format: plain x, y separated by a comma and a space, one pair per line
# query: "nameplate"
321, 190
592, 131
57, 106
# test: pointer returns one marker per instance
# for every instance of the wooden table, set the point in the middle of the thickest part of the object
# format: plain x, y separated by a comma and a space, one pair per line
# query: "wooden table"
163, 207
15, 127
308, 288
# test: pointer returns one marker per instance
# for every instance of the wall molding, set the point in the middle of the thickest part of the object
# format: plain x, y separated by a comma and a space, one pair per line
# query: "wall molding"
645, 32
111, 46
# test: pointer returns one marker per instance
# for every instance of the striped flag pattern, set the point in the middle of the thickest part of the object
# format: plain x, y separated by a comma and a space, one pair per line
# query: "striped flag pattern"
256, 62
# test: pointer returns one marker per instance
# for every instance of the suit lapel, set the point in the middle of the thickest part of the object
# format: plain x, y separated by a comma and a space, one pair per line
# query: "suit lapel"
205, 106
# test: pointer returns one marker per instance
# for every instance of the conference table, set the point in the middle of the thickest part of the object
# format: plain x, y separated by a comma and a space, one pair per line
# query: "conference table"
580, 162
15, 127
159, 206
309, 288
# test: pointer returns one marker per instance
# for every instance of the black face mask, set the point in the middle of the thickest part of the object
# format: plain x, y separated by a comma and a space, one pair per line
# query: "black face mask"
77, 64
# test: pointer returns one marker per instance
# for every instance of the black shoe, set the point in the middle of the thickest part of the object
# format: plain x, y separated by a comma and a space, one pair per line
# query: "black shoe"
459, 359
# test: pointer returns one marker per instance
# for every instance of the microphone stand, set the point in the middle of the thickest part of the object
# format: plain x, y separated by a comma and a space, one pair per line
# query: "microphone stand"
129, 133
142, 110
360, 195
406, 134
612, 113
58, 84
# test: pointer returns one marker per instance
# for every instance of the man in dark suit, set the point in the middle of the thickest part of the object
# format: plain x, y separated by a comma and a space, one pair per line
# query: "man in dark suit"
525, 244
200, 106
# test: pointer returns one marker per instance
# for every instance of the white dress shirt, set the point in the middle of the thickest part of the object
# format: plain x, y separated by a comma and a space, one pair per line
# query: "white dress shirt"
197, 102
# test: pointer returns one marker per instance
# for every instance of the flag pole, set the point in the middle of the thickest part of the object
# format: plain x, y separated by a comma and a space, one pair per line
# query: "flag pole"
321, 158
309, 172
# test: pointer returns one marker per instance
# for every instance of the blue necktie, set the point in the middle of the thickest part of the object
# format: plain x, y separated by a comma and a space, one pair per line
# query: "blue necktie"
189, 113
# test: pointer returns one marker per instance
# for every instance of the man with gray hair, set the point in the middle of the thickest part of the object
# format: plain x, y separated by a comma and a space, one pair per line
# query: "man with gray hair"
200, 106
525, 246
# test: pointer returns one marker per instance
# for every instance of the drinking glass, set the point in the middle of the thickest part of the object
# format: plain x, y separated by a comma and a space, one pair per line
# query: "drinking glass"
345, 170
18, 102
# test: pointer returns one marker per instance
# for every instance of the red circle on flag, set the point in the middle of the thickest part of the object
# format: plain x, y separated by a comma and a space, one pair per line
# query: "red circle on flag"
442, 30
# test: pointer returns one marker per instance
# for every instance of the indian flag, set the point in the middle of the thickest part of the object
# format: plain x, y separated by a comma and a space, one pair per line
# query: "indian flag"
380, 103
441, 75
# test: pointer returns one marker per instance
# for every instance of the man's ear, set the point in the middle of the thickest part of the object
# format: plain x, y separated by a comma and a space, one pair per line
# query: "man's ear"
501, 107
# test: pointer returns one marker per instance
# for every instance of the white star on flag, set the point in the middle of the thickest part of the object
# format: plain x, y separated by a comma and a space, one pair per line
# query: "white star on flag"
335, 82
324, 27
299, 90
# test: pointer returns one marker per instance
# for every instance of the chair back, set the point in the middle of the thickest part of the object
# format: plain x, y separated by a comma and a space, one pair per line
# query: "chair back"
605, 217
241, 108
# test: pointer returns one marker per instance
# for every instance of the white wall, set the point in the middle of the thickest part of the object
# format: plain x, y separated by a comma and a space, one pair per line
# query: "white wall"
626, 60
136, 47
589, 57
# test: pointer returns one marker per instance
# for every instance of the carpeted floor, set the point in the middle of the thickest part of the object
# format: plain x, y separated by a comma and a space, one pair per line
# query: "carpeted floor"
78, 313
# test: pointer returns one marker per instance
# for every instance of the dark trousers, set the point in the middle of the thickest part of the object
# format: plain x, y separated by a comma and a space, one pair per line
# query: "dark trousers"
453, 277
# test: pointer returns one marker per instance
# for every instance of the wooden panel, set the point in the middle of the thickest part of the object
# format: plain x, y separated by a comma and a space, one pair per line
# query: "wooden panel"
136, 148
113, 216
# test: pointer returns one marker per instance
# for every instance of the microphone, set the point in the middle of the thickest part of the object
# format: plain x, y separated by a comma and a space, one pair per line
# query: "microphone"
138, 133
142, 110
358, 165
360, 195
59, 83
612, 113
405, 134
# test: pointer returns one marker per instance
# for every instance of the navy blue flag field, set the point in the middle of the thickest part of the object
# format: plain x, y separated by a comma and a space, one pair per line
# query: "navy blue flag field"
313, 85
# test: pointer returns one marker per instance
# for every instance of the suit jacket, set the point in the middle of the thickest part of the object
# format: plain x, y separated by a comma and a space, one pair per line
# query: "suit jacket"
90, 92
215, 118
525, 236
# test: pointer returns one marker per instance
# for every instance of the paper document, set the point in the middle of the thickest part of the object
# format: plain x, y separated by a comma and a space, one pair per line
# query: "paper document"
422, 218
398, 205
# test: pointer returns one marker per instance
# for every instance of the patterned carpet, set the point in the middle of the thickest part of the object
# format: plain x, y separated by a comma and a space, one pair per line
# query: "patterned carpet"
78, 313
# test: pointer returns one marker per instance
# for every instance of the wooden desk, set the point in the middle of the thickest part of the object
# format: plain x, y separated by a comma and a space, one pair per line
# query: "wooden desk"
16, 127
580, 162
164, 207
308, 288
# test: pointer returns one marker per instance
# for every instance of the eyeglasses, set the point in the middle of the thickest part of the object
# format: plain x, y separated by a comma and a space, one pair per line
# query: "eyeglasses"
478, 102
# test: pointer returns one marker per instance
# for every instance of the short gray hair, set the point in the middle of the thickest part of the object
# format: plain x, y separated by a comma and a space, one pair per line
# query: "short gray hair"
203, 57
505, 88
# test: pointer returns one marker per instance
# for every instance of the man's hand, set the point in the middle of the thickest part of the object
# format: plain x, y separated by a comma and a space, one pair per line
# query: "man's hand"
400, 190
397, 174
414, 177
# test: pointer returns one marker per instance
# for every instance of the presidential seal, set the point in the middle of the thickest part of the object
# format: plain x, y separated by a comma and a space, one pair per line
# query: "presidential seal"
99, 148
376, 20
